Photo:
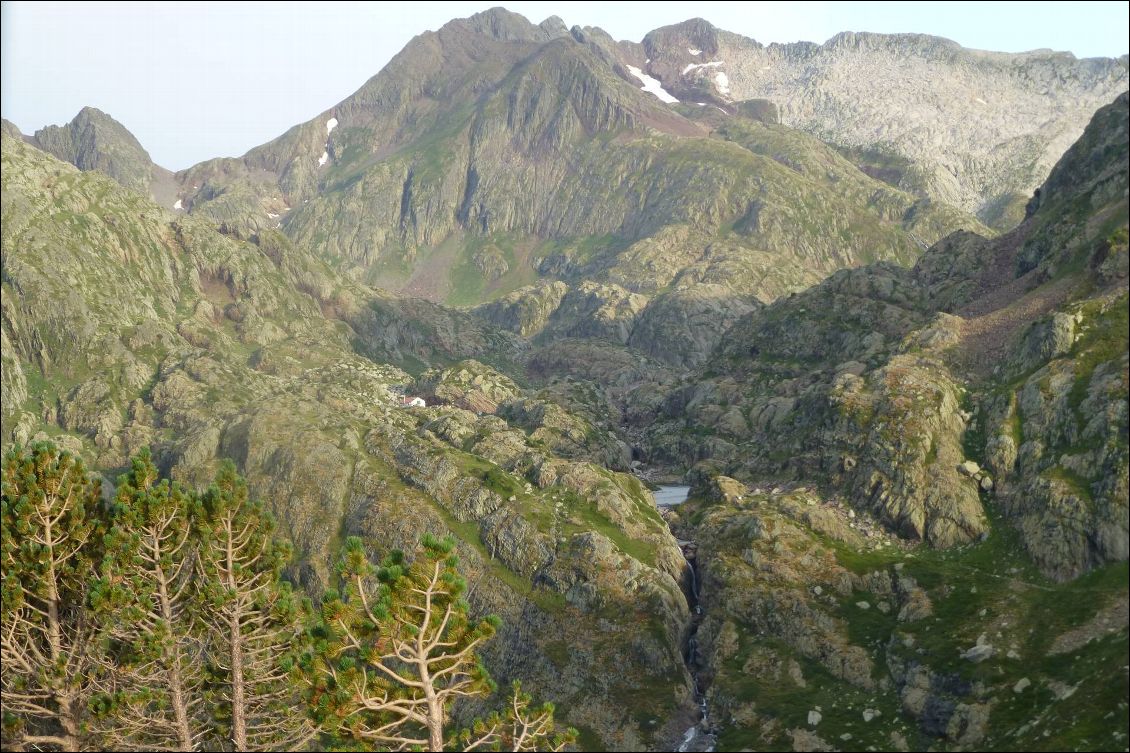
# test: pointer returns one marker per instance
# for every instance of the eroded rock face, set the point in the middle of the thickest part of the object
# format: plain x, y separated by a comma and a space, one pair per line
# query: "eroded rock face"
680, 328
810, 603
683, 327
526, 311
1059, 451
908, 469
894, 386
595, 311
971, 139
95, 141
469, 385
763, 586
144, 328
889, 434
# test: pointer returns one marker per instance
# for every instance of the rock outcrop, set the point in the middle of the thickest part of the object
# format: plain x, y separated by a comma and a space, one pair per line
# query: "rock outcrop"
126, 325
821, 626
885, 383
973, 129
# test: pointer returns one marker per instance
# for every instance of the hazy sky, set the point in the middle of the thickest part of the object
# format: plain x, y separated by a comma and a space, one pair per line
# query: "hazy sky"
199, 80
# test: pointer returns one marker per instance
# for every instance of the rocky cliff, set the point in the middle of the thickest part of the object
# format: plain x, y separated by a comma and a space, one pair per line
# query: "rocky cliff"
494, 152
822, 631
894, 386
973, 129
127, 325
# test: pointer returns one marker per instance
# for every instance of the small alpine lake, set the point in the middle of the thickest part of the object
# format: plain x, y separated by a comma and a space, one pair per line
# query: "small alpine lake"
669, 496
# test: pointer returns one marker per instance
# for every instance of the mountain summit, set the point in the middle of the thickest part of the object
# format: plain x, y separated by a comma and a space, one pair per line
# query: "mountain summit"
495, 152
95, 141
977, 130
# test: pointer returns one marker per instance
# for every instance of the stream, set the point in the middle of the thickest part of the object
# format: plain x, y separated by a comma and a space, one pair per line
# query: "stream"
698, 737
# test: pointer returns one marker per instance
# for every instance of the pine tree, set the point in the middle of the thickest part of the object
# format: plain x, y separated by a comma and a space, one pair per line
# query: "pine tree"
162, 623
399, 649
254, 623
53, 621
158, 665
520, 727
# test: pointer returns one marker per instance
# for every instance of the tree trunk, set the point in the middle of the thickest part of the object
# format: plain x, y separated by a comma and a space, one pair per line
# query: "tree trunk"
435, 729
180, 708
69, 719
235, 639
64, 701
176, 682
238, 722
435, 706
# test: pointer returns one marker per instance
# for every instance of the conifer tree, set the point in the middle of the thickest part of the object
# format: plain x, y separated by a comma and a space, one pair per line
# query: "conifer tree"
399, 649
158, 666
254, 623
52, 618
166, 616
521, 726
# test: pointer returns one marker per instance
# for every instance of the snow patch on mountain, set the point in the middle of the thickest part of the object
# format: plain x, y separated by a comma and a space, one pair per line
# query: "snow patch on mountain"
652, 85
723, 82
694, 66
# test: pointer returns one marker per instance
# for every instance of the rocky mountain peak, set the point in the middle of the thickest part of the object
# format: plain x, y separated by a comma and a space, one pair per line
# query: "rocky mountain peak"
974, 129
697, 32
554, 27
92, 128
502, 24
923, 43
95, 141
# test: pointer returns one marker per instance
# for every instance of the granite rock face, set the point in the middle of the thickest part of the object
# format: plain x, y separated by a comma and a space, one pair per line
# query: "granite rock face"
973, 129
95, 141
494, 151
126, 325
894, 386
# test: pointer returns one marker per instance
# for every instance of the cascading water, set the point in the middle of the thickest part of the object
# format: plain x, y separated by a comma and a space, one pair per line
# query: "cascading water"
698, 737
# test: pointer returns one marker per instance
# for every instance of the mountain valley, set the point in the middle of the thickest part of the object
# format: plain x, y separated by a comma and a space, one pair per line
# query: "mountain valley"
880, 334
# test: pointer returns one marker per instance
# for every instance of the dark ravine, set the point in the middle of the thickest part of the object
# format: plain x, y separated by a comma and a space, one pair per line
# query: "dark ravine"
700, 737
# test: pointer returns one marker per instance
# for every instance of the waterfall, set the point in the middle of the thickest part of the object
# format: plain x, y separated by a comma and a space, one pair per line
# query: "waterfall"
698, 737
